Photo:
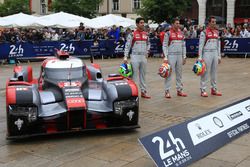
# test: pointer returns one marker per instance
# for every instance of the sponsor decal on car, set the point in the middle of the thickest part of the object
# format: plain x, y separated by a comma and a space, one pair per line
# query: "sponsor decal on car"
19, 123
130, 115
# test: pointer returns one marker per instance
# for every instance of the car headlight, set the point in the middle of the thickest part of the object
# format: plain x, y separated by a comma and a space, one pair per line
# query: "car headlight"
119, 105
29, 111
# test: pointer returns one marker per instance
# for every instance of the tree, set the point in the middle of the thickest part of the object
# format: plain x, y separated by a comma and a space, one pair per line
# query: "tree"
14, 6
85, 8
160, 10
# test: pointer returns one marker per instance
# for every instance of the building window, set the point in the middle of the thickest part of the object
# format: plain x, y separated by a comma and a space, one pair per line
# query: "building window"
244, 2
97, 8
216, 3
43, 7
137, 4
115, 5
242, 8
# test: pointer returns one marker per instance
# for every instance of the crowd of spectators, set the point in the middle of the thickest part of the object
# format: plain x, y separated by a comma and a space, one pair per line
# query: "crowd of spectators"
193, 31
14, 35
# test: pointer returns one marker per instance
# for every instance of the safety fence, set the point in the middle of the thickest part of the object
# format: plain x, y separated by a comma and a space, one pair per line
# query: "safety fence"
105, 47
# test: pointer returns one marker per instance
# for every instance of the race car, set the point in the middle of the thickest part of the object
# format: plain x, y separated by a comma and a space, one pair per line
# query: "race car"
68, 96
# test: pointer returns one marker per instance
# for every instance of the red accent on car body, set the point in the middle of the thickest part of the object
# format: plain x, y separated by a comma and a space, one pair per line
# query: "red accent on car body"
10, 95
88, 74
97, 66
115, 78
133, 87
18, 69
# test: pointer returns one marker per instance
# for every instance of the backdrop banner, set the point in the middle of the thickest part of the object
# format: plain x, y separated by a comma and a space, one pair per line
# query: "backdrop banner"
105, 47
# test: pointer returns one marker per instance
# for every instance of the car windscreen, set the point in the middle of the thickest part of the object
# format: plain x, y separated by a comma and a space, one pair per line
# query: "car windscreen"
65, 73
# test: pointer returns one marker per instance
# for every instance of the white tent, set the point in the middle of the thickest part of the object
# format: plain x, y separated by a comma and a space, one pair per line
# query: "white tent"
110, 20
18, 20
62, 20
153, 25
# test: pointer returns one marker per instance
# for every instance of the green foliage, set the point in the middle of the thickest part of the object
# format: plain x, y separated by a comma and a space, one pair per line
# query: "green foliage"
85, 8
160, 10
10, 7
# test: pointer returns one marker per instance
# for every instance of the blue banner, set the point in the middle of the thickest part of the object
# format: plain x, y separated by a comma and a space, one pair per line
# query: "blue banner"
105, 47
236, 45
192, 46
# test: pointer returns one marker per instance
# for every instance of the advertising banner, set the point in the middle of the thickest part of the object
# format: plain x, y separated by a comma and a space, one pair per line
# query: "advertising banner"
187, 142
236, 46
106, 47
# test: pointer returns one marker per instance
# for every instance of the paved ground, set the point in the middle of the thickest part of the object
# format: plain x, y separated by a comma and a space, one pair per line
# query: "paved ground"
117, 148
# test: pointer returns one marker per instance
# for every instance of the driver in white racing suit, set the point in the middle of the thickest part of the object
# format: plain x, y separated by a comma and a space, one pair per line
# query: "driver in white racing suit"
210, 53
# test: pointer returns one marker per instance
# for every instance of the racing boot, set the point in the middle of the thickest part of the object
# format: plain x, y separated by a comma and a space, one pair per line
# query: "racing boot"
181, 93
204, 93
215, 92
145, 95
167, 94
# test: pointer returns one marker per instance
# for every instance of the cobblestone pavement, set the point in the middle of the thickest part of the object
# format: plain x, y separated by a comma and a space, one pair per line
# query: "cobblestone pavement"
121, 148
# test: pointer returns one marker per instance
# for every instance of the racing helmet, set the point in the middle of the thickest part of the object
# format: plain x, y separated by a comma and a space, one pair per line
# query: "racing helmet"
165, 70
199, 67
126, 70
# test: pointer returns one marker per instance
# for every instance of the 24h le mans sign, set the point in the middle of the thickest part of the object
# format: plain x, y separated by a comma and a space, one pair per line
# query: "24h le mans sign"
187, 142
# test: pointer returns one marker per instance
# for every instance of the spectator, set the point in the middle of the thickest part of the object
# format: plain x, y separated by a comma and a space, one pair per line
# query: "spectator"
95, 42
127, 32
186, 32
11, 36
88, 34
54, 36
80, 32
47, 35
152, 33
114, 33
100, 34
2, 37
200, 29
192, 32
226, 33
81, 26
23, 37
244, 32
237, 32
248, 34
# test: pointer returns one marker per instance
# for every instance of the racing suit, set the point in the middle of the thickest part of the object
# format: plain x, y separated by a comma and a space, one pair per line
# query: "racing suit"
209, 51
139, 42
174, 49
162, 34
